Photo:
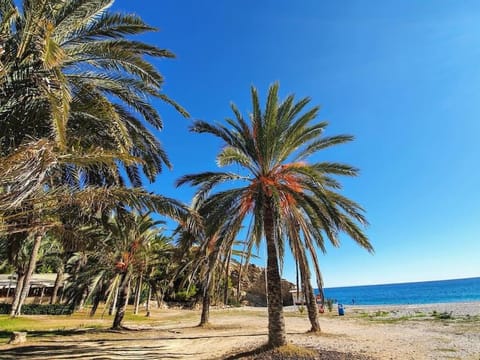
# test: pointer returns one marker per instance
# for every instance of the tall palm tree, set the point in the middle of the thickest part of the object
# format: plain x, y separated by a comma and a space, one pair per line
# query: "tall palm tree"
71, 74
278, 185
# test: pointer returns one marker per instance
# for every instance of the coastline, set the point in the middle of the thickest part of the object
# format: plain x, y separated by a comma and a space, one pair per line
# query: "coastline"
471, 308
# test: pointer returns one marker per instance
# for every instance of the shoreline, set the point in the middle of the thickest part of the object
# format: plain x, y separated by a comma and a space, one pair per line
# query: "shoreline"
455, 308
471, 308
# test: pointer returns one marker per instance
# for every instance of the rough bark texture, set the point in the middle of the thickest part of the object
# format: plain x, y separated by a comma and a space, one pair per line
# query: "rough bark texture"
28, 275
205, 317
276, 322
310, 299
122, 300
18, 291
56, 286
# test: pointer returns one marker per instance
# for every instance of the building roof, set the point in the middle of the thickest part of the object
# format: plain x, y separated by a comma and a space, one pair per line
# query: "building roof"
38, 280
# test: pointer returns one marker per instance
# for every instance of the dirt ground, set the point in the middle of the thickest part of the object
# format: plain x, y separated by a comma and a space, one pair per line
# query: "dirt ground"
361, 333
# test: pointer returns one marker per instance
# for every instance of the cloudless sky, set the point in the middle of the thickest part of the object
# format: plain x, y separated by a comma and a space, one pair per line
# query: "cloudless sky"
403, 77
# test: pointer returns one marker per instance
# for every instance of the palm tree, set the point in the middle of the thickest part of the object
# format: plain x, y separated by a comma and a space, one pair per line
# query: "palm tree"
132, 232
70, 75
157, 260
277, 185
27, 173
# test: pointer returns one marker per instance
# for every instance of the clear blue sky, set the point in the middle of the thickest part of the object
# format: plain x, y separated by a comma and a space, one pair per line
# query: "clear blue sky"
403, 77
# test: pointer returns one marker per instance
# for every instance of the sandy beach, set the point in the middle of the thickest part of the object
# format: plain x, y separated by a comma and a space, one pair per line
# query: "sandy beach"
365, 332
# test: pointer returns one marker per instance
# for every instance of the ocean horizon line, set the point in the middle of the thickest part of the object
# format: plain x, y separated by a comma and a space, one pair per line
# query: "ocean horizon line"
400, 283
419, 292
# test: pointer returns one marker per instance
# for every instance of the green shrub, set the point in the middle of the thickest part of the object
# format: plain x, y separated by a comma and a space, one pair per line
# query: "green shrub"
186, 295
329, 303
37, 309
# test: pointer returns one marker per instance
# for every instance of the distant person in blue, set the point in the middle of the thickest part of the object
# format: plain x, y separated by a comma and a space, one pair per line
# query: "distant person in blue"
353, 301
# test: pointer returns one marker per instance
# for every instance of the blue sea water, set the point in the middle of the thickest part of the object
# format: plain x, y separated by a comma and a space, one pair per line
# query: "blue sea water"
427, 292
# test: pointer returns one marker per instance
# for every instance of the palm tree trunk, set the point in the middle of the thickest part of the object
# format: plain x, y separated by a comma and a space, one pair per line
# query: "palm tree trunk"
18, 290
9, 287
81, 299
240, 267
309, 298
138, 292
97, 298
56, 286
276, 322
124, 290
205, 317
206, 300
157, 293
227, 277
297, 280
28, 275
207, 290
148, 299
113, 307
42, 293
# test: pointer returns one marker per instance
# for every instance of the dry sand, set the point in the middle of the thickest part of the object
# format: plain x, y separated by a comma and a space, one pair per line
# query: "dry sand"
380, 332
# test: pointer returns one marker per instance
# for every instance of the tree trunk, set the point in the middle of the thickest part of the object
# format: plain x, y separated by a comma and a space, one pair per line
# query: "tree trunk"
28, 275
148, 299
156, 292
56, 286
81, 299
9, 287
276, 322
113, 307
97, 299
239, 286
18, 290
227, 277
204, 319
297, 279
122, 300
309, 298
207, 289
138, 293
42, 293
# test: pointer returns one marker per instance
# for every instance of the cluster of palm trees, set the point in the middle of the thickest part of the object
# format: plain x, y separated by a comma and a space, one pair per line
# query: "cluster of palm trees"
76, 148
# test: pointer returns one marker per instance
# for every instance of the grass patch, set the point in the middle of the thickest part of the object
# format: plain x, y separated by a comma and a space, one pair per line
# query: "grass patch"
380, 313
44, 326
394, 317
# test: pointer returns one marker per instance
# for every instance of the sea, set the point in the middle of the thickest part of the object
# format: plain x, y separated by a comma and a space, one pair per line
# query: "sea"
426, 292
